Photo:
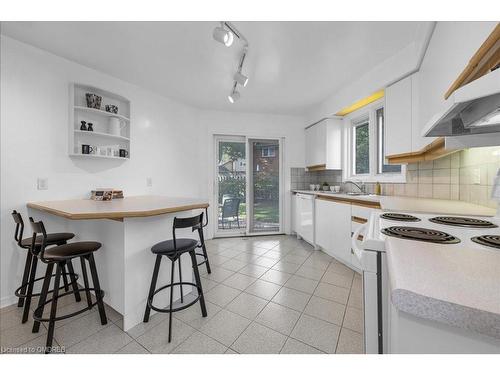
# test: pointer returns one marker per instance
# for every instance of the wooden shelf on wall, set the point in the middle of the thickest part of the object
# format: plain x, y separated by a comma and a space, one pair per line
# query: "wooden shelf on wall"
435, 150
484, 60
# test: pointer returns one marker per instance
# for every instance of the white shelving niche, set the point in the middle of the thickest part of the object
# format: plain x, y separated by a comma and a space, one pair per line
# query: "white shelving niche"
100, 139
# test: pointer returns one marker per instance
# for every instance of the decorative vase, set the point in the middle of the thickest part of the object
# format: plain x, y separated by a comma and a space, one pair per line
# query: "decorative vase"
93, 100
83, 126
89, 127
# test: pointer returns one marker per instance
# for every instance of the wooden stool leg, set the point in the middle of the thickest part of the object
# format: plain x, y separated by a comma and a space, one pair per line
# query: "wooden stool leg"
27, 267
198, 283
171, 301
43, 295
97, 287
53, 309
72, 277
31, 281
152, 288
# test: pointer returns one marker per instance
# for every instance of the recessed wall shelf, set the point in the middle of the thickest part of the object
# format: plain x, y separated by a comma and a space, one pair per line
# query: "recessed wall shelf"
111, 131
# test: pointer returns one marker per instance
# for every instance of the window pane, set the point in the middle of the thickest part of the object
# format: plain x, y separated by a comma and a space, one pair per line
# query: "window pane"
361, 149
381, 166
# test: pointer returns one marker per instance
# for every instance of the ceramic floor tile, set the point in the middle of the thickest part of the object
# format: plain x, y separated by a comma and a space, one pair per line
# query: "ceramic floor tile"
353, 319
106, 341
230, 351
317, 263
17, 335
207, 284
310, 272
276, 277
316, 333
291, 298
79, 329
239, 281
340, 269
132, 348
253, 270
192, 315
233, 265
274, 254
297, 259
225, 327
247, 258
332, 293
278, 317
198, 343
301, 284
350, 342
156, 340
257, 339
247, 305
218, 274
264, 262
286, 267
263, 289
356, 299
230, 253
142, 328
293, 346
221, 295
216, 260
36, 346
336, 279
259, 251
330, 311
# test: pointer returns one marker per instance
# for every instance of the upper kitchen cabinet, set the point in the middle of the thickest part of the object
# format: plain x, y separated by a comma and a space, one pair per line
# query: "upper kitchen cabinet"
324, 145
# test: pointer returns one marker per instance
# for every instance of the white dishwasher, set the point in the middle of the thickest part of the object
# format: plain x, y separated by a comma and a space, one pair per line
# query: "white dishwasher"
305, 217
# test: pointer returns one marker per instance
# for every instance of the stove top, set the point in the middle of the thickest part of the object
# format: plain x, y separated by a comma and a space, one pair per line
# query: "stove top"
488, 240
468, 222
420, 234
399, 217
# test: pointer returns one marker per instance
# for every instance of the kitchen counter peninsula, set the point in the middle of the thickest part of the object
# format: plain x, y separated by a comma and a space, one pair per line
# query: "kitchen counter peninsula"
127, 229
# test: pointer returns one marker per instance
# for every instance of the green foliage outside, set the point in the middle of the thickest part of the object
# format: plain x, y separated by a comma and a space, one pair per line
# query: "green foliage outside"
362, 149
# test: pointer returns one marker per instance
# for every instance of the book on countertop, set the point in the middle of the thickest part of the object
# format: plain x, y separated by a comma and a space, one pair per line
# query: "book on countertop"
106, 194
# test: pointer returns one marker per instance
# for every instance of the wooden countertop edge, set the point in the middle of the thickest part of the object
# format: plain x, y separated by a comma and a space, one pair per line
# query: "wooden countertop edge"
117, 215
357, 202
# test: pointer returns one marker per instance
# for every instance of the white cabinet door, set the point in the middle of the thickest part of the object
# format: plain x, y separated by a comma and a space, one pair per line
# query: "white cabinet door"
398, 117
333, 229
305, 217
334, 143
293, 218
310, 145
324, 144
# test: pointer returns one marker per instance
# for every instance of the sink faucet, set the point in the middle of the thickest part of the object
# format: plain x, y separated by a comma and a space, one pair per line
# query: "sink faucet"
361, 186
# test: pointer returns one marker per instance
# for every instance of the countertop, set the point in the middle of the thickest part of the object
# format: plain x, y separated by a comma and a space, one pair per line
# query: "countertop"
135, 206
459, 286
410, 204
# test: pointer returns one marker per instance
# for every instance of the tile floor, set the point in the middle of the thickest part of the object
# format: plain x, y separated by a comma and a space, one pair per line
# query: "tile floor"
264, 295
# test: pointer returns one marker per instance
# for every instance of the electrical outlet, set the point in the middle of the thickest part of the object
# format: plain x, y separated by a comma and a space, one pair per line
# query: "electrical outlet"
149, 181
476, 176
42, 183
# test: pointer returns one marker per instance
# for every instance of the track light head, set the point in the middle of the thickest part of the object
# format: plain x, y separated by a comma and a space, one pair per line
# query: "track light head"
223, 36
241, 79
234, 96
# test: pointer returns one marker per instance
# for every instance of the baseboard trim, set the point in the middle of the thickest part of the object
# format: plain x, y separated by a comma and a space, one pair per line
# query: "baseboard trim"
7, 301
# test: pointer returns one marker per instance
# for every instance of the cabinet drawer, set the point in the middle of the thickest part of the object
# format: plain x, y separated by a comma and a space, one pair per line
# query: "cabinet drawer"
361, 212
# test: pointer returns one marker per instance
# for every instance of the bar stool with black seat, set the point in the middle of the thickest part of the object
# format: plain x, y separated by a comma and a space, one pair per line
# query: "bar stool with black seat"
25, 291
60, 256
173, 249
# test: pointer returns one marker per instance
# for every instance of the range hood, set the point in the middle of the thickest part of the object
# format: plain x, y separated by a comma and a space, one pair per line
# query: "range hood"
471, 109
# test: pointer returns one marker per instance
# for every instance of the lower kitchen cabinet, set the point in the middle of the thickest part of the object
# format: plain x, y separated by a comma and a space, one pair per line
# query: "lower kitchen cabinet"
304, 218
333, 229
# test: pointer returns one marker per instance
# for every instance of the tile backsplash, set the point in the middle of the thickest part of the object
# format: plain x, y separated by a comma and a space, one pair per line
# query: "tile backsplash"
465, 175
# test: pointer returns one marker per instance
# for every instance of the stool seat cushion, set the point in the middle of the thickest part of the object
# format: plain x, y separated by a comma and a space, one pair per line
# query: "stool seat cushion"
167, 247
52, 239
71, 250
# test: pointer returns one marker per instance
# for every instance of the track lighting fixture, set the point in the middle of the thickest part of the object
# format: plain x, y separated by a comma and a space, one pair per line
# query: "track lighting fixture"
225, 34
234, 96
241, 79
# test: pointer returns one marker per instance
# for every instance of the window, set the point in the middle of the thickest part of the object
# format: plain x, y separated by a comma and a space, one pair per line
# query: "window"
381, 166
268, 152
364, 152
361, 148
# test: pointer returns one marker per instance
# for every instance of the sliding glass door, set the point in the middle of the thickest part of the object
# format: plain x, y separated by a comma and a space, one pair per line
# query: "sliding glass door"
248, 185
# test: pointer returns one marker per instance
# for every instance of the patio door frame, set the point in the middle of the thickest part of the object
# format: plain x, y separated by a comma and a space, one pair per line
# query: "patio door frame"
248, 184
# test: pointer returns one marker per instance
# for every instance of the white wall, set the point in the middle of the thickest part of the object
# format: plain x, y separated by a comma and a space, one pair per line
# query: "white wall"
34, 136
291, 128
170, 142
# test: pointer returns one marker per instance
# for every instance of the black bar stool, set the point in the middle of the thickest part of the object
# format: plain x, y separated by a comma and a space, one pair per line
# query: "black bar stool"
60, 256
25, 291
201, 244
173, 249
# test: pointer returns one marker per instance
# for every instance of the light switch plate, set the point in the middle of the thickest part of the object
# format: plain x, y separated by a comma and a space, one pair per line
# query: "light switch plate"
476, 176
149, 181
42, 183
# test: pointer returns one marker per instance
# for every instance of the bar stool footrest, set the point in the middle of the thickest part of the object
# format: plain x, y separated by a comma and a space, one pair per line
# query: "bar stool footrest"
37, 313
18, 294
182, 307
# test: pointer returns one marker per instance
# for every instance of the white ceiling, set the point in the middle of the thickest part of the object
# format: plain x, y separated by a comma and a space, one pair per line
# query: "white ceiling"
291, 65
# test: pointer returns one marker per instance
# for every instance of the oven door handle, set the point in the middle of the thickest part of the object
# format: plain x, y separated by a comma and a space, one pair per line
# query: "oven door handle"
354, 241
